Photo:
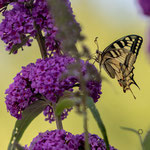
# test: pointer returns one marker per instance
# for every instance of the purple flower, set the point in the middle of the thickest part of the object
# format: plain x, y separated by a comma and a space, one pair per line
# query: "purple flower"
19, 23
145, 5
62, 140
43, 78
19, 93
3, 3
54, 140
94, 88
95, 142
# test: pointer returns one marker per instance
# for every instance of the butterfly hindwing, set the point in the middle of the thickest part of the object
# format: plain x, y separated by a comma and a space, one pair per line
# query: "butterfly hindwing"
109, 69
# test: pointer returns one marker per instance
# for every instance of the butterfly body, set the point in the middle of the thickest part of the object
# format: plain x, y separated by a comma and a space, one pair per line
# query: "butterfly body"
118, 59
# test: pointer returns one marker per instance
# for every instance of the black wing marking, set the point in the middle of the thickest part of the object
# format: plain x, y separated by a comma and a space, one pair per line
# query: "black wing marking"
123, 51
127, 43
109, 69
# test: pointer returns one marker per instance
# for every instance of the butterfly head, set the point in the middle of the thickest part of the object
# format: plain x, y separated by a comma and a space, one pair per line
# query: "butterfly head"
98, 52
98, 56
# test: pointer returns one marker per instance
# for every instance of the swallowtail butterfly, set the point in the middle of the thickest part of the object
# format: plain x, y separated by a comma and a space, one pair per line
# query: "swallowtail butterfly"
118, 59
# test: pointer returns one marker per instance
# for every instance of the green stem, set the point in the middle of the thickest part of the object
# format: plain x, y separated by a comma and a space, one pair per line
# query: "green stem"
58, 119
85, 123
41, 41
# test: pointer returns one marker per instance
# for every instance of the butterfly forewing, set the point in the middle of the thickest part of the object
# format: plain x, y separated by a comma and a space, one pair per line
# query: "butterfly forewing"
129, 43
119, 57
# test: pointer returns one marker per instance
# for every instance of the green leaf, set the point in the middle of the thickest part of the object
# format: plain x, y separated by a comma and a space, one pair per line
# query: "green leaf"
97, 117
20, 45
64, 104
146, 142
130, 129
134, 131
28, 115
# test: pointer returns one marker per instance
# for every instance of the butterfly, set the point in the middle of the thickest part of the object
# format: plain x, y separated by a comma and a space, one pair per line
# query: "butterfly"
118, 59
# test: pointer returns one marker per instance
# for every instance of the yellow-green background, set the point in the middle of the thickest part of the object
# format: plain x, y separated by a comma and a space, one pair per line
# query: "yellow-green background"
109, 20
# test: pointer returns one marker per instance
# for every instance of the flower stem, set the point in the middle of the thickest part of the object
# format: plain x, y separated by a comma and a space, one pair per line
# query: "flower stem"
41, 42
58, 119
85, 124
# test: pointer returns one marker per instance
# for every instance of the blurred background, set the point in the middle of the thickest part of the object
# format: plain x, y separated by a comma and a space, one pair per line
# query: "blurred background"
108, 20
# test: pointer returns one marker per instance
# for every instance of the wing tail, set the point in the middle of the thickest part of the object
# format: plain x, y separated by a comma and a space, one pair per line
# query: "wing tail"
132, 93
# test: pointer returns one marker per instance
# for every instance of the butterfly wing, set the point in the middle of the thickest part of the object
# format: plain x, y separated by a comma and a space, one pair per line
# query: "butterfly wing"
129, 42
119, 57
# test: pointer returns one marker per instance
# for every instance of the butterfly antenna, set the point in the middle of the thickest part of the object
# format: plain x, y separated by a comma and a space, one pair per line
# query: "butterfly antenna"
96, 42
132, 93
